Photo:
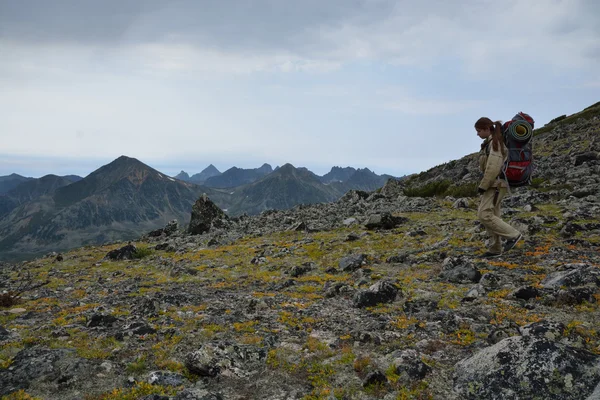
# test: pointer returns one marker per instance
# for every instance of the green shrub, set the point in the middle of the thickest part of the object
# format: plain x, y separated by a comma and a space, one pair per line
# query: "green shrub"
558, 119
466, 190
441, 189
437, 188
537, 182
142, 252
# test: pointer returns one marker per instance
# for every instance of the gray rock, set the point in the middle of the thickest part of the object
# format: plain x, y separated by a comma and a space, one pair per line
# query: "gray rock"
100, 320
525, 367
461, 203
215, 357
381, 292
124, 253
205, 216
409, 366
579, 274
349, 221
36, 364
352, 263
198, 394
139, 328
166, 378
584, 157
375, 378
526, 293
300, 270
546, 329
459, 270
384, 220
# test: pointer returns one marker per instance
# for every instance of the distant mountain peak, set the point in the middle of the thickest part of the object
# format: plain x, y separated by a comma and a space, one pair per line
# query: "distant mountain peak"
210, 168
182, 176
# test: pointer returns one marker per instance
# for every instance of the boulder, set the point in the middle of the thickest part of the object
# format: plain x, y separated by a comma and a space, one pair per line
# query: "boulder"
352, 262
381, 292
409, 366
384, 220
527, 367
459, 270
572, 275
124, 253
206, 215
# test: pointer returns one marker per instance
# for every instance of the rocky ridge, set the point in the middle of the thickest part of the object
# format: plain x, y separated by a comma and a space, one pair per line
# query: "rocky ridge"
377, 295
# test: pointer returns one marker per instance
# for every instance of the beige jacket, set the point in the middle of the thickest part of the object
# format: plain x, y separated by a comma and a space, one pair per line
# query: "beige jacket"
490, 163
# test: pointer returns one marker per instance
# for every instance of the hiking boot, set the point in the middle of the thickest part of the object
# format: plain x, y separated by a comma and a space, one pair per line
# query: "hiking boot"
490, 254
510, 243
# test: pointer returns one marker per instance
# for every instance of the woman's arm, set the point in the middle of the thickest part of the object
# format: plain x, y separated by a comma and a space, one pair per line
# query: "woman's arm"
493, 167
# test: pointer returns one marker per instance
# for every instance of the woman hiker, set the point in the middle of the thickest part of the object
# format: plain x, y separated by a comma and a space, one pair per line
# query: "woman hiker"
493, 188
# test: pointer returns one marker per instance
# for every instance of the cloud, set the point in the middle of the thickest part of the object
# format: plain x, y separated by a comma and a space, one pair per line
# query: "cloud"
241, 36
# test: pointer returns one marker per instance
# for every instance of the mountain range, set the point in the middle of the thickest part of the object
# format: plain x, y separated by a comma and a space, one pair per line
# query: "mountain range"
127, 198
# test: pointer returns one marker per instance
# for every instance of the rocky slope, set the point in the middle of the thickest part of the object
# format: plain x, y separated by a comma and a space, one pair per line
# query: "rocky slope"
375, 296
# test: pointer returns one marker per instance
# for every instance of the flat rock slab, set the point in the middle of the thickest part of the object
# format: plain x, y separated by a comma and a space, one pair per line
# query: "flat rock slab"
525, 367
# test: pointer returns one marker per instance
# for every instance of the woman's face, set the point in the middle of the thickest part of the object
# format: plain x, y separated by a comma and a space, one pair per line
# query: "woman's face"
484, 133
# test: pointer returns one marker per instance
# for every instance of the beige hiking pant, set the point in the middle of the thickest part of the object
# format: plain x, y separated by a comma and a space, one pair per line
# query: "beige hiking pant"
489, 215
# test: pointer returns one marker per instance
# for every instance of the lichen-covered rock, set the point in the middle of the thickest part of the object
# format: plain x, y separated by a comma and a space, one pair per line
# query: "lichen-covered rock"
352, 262
384, 220
123, 253
217, 358
206, 215
526, 367
409, 367
459, 270
35, 365
381, 292
166, 378
578, 274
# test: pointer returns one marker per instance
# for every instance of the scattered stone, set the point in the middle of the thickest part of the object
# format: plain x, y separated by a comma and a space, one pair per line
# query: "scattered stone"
352, 263
578, 274
351, 237
300, 270
409, 366
349, 221
166, 378
584, 157
383, 220
124, 253
526, 293
461, 203
100, 320
459, 270
546, 329
375, 378
381, 292
3, 333
139, 328
299, 227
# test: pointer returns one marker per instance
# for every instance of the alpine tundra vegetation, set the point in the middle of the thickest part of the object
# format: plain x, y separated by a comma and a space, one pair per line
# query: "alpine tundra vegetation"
379, 295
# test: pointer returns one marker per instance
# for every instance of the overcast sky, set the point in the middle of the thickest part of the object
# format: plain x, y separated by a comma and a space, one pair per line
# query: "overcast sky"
394, 86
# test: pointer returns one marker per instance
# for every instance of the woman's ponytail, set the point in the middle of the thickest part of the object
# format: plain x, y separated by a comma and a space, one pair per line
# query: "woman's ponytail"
497, 138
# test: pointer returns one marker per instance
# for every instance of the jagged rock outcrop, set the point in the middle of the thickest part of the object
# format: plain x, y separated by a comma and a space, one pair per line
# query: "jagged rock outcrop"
206, 215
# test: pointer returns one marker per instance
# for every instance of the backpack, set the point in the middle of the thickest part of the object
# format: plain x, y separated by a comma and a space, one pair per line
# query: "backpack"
517, 133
